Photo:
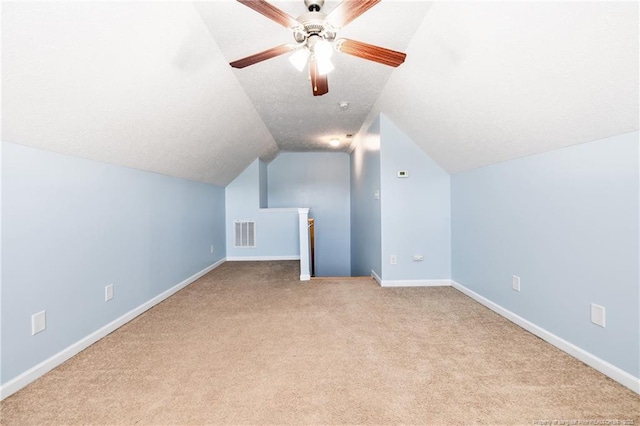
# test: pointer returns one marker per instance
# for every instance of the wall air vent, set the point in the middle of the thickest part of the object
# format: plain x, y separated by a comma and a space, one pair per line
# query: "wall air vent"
245, 234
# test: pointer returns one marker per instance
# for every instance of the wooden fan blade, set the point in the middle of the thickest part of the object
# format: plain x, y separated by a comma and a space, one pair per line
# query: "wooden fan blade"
271, 12
371, 52
319, 83
349, 10
263, 56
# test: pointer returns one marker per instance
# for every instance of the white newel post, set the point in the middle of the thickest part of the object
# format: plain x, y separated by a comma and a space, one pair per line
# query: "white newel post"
303, 219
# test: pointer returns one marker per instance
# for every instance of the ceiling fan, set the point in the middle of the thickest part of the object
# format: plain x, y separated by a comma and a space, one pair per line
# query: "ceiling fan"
315, 34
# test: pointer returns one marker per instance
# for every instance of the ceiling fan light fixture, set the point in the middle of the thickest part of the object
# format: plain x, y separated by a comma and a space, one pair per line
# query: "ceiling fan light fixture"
325, 66
315, 35
299, 58
323, 49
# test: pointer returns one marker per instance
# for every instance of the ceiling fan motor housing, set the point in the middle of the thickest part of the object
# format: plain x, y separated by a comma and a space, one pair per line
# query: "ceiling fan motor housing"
314, 23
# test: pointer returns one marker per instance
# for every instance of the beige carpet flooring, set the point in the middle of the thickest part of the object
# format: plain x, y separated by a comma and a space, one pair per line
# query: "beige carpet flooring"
249, 344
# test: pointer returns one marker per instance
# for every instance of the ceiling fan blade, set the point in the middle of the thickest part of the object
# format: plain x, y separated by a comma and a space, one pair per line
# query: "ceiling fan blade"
319, 83
271, 12
371, 52
263, 56
349, 10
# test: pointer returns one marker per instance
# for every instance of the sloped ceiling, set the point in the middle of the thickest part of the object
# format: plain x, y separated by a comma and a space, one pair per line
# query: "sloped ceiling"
282, 95
148, 85
493, 81
139, 84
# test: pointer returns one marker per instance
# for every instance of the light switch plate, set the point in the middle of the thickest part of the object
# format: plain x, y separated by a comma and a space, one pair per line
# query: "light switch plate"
516, 283
38, 322
108, 292
598, 315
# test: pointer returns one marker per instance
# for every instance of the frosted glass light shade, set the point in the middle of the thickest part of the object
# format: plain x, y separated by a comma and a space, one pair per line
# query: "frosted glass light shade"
299, 59
323, 49
325, 66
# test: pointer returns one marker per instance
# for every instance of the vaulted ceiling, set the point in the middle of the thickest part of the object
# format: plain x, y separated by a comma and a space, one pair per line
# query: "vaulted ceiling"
148, 84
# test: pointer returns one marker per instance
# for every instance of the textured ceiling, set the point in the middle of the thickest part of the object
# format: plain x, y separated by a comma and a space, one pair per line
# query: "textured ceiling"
298, 120
147, 84
140, 84
493, 81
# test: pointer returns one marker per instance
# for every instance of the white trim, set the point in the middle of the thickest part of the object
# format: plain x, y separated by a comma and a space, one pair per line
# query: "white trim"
588, 358
278, 209
415, 283
17, 383
305, 277
304, 242
376, 277
409, 283
260, 258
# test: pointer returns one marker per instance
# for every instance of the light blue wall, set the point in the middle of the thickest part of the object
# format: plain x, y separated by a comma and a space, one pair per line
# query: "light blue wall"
70, 226
319, 180
566, 222
277, 234
416, 210
264, 186
366, 224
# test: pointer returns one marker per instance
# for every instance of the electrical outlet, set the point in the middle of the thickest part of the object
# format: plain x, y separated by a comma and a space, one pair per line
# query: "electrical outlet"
418, 258
108, 292
376, 195
38, 322
516, 283
211, 248
393, 260
598, 315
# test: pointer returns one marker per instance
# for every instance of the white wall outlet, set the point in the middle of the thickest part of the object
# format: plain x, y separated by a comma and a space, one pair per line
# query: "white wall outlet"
38, 322
392, 259
376, 195
108, 292
211, 248
403, 173
418, 258
598, 315
516, 283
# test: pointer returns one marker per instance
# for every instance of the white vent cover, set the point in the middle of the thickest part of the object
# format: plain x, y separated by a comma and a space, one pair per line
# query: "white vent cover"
245, 234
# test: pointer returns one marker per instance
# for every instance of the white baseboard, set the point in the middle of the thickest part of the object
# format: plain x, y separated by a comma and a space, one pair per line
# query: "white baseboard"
409, 283
415, 283
14, 385
588, 358
260, 258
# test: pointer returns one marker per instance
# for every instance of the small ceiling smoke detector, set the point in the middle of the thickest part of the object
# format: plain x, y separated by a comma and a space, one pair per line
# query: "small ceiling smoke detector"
334, 142
343, 105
